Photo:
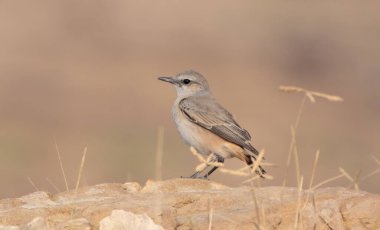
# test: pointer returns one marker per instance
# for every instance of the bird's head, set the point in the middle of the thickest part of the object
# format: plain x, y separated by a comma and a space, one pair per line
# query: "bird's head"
188, 83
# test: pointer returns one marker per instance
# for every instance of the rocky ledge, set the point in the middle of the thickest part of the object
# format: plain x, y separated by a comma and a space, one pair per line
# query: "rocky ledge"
192, 204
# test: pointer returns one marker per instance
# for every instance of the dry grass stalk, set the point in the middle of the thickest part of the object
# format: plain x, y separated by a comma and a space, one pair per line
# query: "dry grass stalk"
314, 169
215, 164
81, 169
327, 181
312, 178
376, 160
257, 207
257, 162
52, 184
297, 163
260, 213
346, 174
289, 158
210, 214
299, 203
204, 162
376, 171
310, 94
33, 184
248, 167
355, 181
293, 131
253, 178
201, 167
255, 166
328, 97
371, 174
159, 152
243, 172
197, 155
61, 165
234, 172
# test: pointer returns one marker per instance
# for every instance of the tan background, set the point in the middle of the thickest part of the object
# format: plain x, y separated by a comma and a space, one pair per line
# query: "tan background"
85, 73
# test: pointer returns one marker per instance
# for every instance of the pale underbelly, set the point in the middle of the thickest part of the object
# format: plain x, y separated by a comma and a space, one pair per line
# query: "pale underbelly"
206, 142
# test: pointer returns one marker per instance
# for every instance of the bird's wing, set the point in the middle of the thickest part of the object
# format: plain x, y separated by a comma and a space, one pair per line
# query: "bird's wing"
208, 114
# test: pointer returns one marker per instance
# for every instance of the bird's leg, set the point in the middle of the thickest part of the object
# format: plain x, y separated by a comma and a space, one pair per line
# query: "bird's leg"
199, 170
196, 175
213, 158
218, 159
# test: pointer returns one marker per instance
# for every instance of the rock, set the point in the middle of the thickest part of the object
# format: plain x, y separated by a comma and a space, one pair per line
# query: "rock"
36, 200
193, 204
131, 187
37, 223
75, 224
120, 219
9, 227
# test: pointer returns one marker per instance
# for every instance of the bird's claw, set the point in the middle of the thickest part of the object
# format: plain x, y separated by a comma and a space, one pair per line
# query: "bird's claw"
196, 176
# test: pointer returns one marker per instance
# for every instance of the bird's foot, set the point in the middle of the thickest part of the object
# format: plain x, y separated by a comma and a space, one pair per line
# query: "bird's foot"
205, 177
196, 175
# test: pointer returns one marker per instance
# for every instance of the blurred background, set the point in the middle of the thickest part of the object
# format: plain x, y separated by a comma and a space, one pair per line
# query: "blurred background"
85, 74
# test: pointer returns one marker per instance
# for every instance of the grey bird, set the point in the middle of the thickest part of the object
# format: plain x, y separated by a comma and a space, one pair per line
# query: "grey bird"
205, 125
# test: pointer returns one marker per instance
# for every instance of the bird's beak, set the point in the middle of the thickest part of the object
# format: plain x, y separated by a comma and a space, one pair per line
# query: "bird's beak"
169, 79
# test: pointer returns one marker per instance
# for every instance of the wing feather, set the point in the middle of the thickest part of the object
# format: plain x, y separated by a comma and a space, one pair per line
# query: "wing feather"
207, 113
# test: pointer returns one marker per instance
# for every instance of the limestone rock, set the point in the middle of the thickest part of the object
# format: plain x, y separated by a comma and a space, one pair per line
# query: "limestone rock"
9, 227
120, 219
37, 223
193, 204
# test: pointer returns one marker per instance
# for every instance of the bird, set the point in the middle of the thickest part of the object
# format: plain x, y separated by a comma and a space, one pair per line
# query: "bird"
206, 125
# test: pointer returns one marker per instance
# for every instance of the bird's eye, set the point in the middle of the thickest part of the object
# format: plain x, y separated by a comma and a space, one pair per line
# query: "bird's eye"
186, 81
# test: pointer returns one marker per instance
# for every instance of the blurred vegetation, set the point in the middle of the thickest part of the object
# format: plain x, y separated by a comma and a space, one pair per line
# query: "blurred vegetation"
85, 74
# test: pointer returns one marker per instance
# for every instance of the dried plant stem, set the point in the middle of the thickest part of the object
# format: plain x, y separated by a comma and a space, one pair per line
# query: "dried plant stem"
159, 152
258, 160
297, 163
314, 169
252, 171
52, 184
292, 143
310, 94
371, 174
61, 165
327, 181
33, 184
375, 171
81, 169
293, 130
210, 215
234, 172
245, 171
355, 181
312, 177
298, 203
376, 160
299, 113
257, 208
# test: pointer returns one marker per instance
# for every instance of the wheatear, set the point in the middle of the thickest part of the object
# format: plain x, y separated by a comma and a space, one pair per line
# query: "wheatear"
205, 125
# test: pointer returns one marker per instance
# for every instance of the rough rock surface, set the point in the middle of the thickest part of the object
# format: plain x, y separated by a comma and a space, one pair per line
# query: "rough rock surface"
193, 204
